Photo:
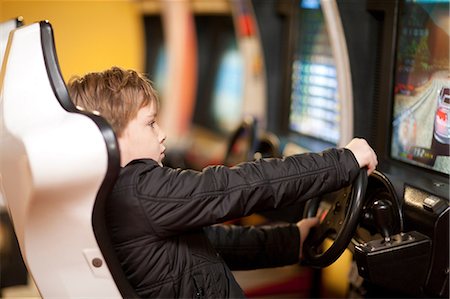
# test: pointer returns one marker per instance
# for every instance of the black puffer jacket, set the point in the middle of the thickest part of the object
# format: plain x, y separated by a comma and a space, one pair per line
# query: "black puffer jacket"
160, 220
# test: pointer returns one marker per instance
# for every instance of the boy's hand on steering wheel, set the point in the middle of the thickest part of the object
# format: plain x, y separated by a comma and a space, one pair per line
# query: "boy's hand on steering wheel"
304, 227
363, 153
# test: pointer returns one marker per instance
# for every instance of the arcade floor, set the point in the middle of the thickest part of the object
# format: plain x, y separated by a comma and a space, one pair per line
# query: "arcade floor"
283, 282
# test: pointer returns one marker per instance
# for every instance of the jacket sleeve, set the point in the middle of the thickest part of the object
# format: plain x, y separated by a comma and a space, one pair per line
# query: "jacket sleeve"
247, 248
177, 200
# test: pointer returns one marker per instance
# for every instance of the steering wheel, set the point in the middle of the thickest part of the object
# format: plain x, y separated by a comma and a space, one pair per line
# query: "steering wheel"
242, 145
339, 218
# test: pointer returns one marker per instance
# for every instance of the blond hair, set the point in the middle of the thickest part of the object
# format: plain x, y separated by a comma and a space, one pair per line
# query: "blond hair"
117, 94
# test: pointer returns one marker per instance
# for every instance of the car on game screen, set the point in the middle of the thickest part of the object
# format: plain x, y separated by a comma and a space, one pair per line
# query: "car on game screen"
405, 89
442, 117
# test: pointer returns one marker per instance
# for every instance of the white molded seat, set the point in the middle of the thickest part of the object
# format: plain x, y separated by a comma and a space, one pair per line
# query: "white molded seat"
57, 166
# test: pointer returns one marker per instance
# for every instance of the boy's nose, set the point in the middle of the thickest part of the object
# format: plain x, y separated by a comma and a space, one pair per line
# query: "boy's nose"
162, 136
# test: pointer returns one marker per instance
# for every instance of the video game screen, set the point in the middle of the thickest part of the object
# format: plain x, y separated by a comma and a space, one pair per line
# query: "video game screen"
228, 89
220, 69
160, 68
314, 108
421, 111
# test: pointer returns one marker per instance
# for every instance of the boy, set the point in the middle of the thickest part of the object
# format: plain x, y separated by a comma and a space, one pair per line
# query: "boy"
162, 220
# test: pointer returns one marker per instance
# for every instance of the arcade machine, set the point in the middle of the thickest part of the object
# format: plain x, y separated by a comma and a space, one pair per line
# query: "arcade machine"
230, 72
320, 91
413, 149
400, 246
218, 107
316, 111
282, 29
251, 139
328, 93
12, 267
398, 54
249, 41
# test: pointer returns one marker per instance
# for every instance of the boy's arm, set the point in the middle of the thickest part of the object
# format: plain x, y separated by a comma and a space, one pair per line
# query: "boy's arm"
176, 200
247, 248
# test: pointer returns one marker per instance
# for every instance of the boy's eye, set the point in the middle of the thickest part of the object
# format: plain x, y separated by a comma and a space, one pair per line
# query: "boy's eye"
151, 124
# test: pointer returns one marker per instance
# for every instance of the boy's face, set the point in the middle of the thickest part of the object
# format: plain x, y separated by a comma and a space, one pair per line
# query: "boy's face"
142, 137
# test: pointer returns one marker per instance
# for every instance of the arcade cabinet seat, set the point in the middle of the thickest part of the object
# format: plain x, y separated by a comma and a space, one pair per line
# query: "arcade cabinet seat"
57, 166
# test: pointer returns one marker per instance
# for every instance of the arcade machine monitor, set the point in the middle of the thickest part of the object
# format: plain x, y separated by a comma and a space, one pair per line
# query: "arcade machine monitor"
221, 71
421, 99
318, 100
413, 140
228, 88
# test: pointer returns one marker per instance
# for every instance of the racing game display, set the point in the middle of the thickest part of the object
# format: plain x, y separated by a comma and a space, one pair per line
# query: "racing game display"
421, 112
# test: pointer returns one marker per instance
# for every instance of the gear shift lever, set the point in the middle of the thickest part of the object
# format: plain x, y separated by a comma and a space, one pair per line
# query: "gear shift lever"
384, 218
